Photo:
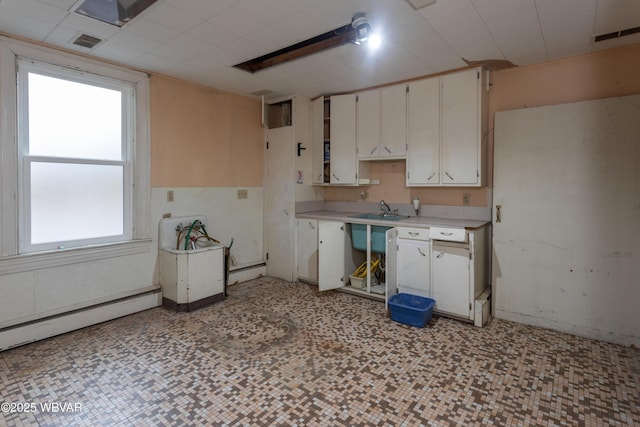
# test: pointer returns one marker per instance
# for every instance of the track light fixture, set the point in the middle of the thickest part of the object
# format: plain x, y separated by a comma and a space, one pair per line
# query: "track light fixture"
360, 23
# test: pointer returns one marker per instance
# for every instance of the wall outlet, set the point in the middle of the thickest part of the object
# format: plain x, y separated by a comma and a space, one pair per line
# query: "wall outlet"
242, 194
170, 196
466, 199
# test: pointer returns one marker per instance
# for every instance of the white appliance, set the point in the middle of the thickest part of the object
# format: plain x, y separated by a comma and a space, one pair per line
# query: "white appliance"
194, 277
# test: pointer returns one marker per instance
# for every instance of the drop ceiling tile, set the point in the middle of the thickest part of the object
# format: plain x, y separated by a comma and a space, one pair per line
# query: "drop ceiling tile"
269, 38
211, 33
151, 30
21, 25
134, 41
222, 57
243, 48
62, 36
89, 26
173, 55
236, 21
615, 15
203, 9
264, 12
515, 28
61, 4
171, 17
152, 63
299, 27
35, 9
567, 26
465, 32
117, 52
189, 44
330, 14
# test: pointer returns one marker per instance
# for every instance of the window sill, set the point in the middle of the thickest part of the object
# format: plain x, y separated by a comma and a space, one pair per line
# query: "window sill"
40, 260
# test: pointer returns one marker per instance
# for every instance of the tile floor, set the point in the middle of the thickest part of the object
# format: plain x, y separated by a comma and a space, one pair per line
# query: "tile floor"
275, 353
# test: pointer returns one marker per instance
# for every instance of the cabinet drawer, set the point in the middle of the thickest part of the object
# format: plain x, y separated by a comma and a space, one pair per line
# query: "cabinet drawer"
413, 233
448, 233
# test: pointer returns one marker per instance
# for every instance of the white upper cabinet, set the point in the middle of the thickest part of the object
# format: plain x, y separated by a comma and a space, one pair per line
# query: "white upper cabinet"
423, 132
368, 124
446, 126
382, 123
461, 132
318, 139
393, 122
334, 158
344, 162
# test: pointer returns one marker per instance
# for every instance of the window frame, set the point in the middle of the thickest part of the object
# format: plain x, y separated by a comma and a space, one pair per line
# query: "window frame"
13, 258
26, 159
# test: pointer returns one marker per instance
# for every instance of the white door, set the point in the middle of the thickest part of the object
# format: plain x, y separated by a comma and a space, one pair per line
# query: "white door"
566, 221
450, 279
460, 133
331, 255
308, 249
413, 267
279, 207
423, 132
393, 121
368, 124
344, 162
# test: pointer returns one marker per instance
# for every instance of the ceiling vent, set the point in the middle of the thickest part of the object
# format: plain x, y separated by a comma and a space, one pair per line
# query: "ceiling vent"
85, 40
616, 34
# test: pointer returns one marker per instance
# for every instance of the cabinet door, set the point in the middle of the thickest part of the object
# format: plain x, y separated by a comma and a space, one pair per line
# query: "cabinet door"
343, 139
461, 133
331, 255
368, 124
413, 267
391, 268
317, 141
308, 249
450, 279
393, 121
423, 132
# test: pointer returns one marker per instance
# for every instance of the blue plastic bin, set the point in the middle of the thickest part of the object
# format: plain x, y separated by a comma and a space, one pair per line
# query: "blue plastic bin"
410, 309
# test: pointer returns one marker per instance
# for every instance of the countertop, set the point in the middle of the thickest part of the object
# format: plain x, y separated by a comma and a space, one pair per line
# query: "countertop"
412, 221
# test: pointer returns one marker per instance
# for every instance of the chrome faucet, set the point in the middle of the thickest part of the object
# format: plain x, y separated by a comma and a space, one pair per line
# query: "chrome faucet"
386, 207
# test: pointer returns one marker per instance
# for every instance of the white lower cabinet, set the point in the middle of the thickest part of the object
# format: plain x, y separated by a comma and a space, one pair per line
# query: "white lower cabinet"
454, 273
308, 249
411, 251
332, 240
451, 278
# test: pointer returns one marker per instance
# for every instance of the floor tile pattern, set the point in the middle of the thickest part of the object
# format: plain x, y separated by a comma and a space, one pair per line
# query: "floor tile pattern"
277, 353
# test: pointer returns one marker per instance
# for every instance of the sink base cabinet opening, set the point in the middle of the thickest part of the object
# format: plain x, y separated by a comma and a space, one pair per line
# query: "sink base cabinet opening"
340, 255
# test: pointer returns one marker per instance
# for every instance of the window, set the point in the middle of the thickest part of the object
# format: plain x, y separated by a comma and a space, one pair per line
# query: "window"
74, 137
74, 159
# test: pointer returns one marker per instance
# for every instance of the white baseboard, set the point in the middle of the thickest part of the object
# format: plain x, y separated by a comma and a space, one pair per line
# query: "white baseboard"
36, 330
247, 273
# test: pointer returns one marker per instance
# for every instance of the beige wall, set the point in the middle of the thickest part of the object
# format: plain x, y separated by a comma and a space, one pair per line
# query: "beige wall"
609, 73
202, 137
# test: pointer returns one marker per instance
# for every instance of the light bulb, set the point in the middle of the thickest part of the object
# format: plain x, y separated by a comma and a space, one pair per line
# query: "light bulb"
374, 41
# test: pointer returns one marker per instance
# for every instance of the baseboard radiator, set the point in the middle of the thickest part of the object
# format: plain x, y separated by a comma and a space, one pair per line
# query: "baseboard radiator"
49, 326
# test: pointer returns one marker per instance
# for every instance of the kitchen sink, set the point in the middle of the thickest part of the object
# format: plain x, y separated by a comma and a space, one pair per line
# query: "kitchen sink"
379, 217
